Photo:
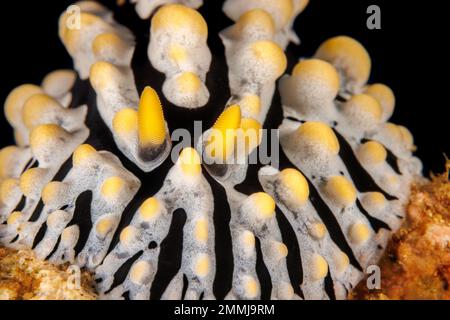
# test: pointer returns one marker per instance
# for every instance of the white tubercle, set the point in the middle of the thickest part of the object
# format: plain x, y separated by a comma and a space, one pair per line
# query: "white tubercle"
145, 8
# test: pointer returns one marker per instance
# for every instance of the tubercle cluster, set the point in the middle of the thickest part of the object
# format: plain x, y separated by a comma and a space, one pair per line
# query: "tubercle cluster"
328, 108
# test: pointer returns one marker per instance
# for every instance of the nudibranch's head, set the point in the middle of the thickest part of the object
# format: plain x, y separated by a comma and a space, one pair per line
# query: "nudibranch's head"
351, 60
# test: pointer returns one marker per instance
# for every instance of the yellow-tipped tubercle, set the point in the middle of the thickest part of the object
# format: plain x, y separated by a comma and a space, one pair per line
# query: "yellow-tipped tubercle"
224, 132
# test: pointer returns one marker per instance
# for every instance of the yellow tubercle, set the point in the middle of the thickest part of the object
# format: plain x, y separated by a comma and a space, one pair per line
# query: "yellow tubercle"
83, 155
103, 74
318, 230
112, 187
365, 103
177, 53
348, 55
342, 261
51, 192
180, 18
44, 134
295, 185
407, 137
282, 250
125, 122
150, 209
31, 180
151, 124
385, 97
251, 287
221, 142
127, 235
254, 19
7, 188
108, 43
374, 200
319, 267
37, 106
248, 239
189, 161
201, 230
202, 265
341, 190
318, 70
104, 226
320, 133
251, 103
14, 218
6, 157
264, 204
140, 271
270, 54
15, 101
188, 82
251, 133
372, 153
359, 233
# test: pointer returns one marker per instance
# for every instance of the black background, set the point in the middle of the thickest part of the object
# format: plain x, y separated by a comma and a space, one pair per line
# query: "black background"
408, 54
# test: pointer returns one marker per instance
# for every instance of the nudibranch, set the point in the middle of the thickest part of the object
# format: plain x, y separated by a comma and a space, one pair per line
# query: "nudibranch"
306, 229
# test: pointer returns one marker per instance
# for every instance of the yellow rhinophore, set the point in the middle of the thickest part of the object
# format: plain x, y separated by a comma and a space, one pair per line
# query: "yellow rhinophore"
151, 124
221, 141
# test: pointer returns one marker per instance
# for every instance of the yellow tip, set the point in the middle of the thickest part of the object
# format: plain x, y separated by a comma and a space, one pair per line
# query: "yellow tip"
318, 230
364, 103
295, 185
251, 133
150, 209
271, 55
140, 272
201, 230
51, 192
319, 133
202, 265
385, 97
372, 153
31, 181
347, 55
151, 124
256, 19
14, 218
251, 287
188, 82
112, 187
83, 154
251, 104
264, 204
319, 267
321, 72
179, 17
341, 190
104, 227
221, 142
127, 235
125, 122
190, 162
359, 233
